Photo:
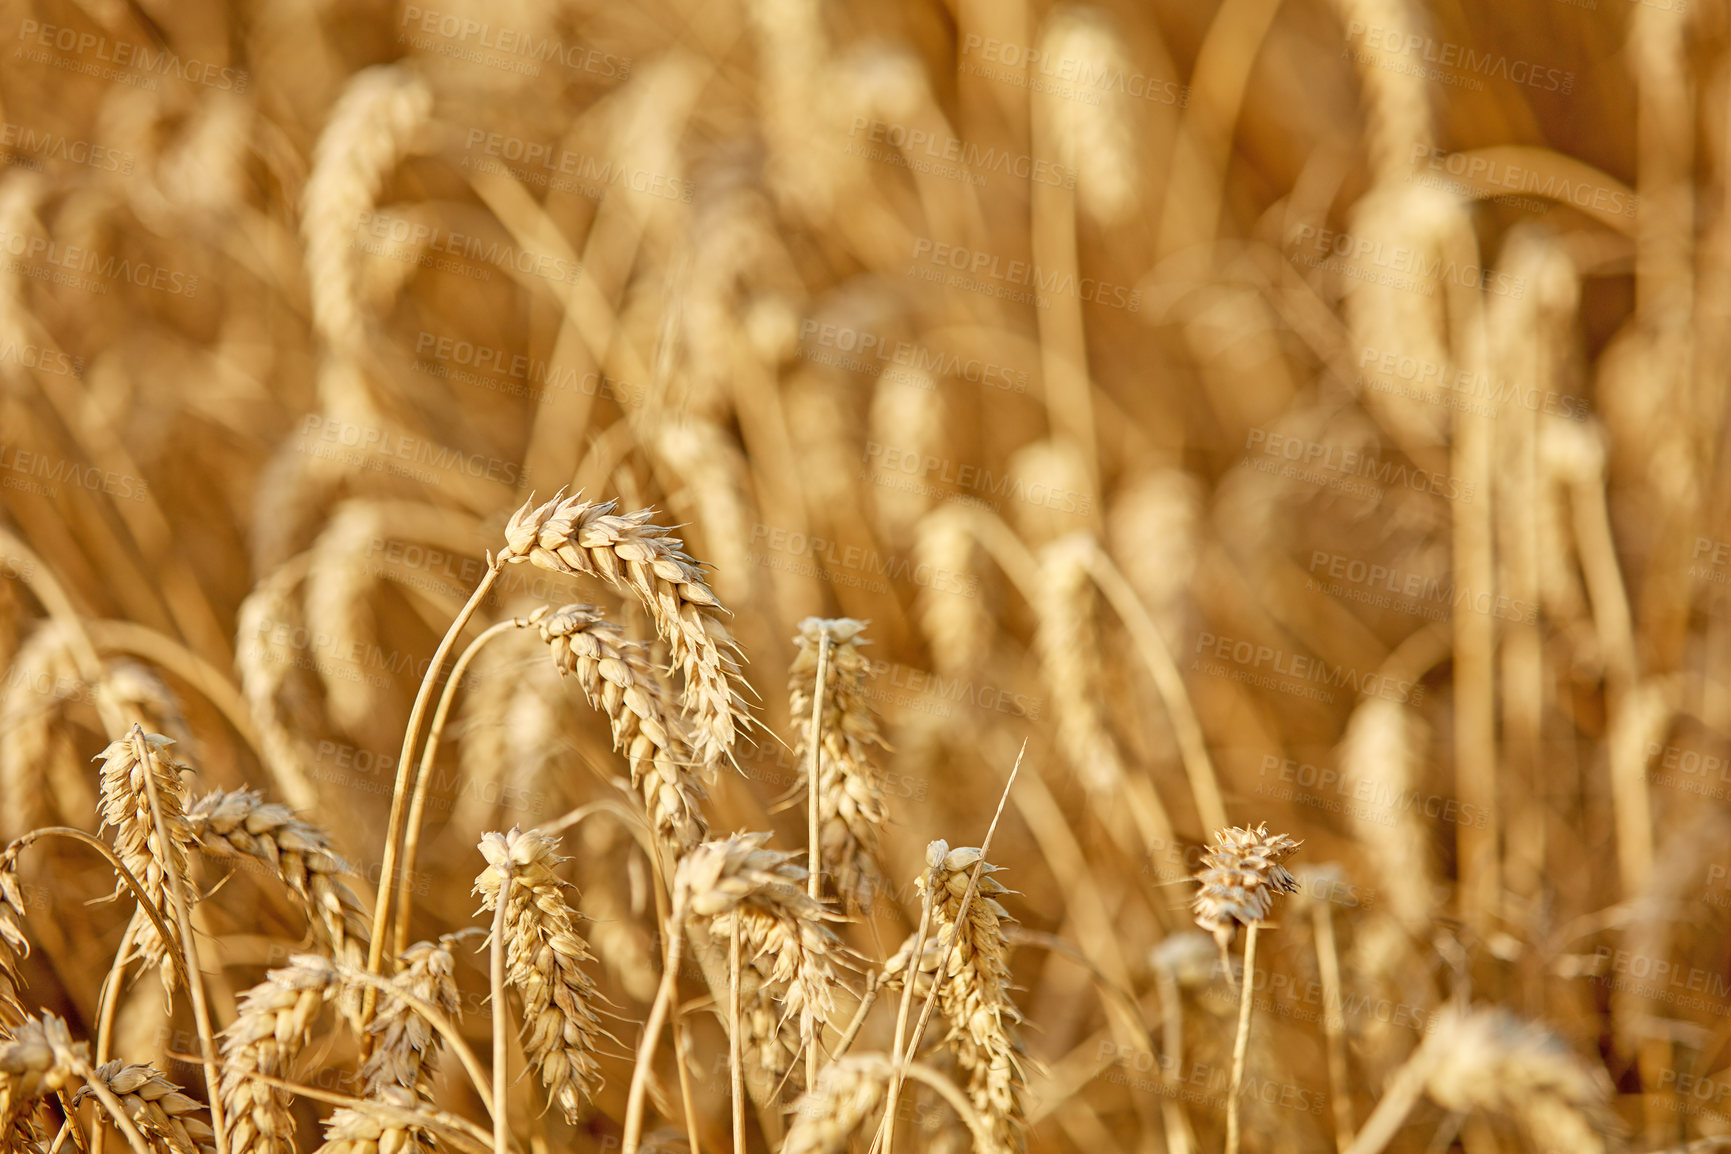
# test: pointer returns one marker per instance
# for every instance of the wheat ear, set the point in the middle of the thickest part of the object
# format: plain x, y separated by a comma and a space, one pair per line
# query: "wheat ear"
165, 1116
570, 535
240, 824
850, 790
276, 1019
543, 963
1488, 1060
618, 677
125, 805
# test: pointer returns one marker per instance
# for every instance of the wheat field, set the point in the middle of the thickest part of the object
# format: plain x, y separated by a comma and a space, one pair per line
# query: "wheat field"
796, 576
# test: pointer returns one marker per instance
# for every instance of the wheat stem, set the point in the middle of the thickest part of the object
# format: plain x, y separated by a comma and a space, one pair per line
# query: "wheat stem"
388, 867
652, 1035
1328, 962
496, 979
859, 1016
1241, 1045
814, 878
888, 1127
735, 1048
178, 901
412, 832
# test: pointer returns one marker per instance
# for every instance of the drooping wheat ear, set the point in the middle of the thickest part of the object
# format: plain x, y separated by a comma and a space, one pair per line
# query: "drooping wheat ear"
1069, 649
1487, 1060
340, 582
974, 994
276, 1019
847, 1091
1097, 142
38, 1060
957, 629
166, 1117
240, 824
543, 963
405, 1044
1241, 873
368, 132
850, 788
125, 805
266, 619
783, 932
511, 728
618, 676
570, 535
1396, 99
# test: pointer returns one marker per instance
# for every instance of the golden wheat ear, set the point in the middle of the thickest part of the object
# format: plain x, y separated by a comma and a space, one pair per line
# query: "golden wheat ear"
544, 958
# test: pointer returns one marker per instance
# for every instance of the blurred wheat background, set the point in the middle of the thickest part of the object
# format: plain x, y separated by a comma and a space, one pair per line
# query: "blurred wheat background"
1302, 413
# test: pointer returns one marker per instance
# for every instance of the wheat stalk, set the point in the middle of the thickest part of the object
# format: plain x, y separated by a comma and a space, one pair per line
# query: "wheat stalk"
850, 790
570, 535
618, 677
543, 963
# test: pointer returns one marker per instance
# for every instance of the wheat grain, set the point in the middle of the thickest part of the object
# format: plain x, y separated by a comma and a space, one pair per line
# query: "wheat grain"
125, 805
364, 1130
405, 1044
570, 535
850, 786
231, 825
38, 1059
275, 1021
618, 677
543, 963
162, 1113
